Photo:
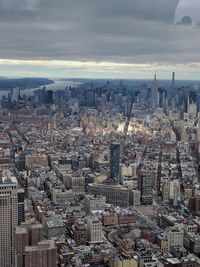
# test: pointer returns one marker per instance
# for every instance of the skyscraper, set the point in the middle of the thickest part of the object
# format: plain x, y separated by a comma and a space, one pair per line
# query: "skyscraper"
15, 95
42, 255
94, 227
22, 239
154, 93
173, 80
49, 97
90, 97
36, 232
143, 95
21, 213
114, 161
145, 186
198, 101
8, 219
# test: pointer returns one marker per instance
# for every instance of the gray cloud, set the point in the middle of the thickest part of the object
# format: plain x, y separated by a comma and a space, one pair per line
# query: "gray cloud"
132, 31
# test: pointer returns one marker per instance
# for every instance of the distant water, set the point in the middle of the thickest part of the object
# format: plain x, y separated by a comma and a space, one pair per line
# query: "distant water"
58, 85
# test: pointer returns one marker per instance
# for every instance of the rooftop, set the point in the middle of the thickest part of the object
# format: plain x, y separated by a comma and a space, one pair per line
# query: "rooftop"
7, 179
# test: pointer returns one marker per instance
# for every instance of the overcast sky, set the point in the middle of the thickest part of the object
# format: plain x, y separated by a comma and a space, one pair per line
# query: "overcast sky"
97, 38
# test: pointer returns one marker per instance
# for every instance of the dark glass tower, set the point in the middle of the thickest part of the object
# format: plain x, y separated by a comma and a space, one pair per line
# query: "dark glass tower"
90, 97
145, 186
198, 101
114, 161
49, 97
21, 212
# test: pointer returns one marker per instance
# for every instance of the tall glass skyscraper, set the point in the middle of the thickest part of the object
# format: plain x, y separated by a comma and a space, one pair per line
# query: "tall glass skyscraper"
154, 93
114, 161
90, 97
198, 101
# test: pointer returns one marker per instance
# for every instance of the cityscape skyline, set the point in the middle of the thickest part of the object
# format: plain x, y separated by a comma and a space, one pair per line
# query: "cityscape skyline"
99, 173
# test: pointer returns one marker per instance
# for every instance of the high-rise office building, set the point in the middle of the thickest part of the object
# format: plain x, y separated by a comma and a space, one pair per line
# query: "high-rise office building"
15, 95
94, 203
90, 97
162, 98
143, 95
26, 235
36, 233
49, 97
175, 191
21, 213
42, 255
154, 93
198, 101
175, 237
8, 219
22, 239
135, 197
173, 80
194, 205
145, 186
94, 227
80, 231
114, 161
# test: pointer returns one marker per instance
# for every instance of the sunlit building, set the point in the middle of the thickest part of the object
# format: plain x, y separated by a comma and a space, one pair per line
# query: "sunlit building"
8, 219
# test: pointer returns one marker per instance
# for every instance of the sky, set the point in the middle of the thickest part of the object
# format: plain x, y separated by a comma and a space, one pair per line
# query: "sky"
100, 38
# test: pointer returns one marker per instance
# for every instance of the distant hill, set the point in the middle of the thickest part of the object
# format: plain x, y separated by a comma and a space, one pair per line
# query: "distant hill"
23, 83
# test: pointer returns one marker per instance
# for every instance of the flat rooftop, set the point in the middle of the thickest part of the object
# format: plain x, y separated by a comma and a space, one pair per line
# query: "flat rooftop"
7, 179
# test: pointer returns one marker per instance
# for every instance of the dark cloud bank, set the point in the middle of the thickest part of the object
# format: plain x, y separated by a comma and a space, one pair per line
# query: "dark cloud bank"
130, 31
